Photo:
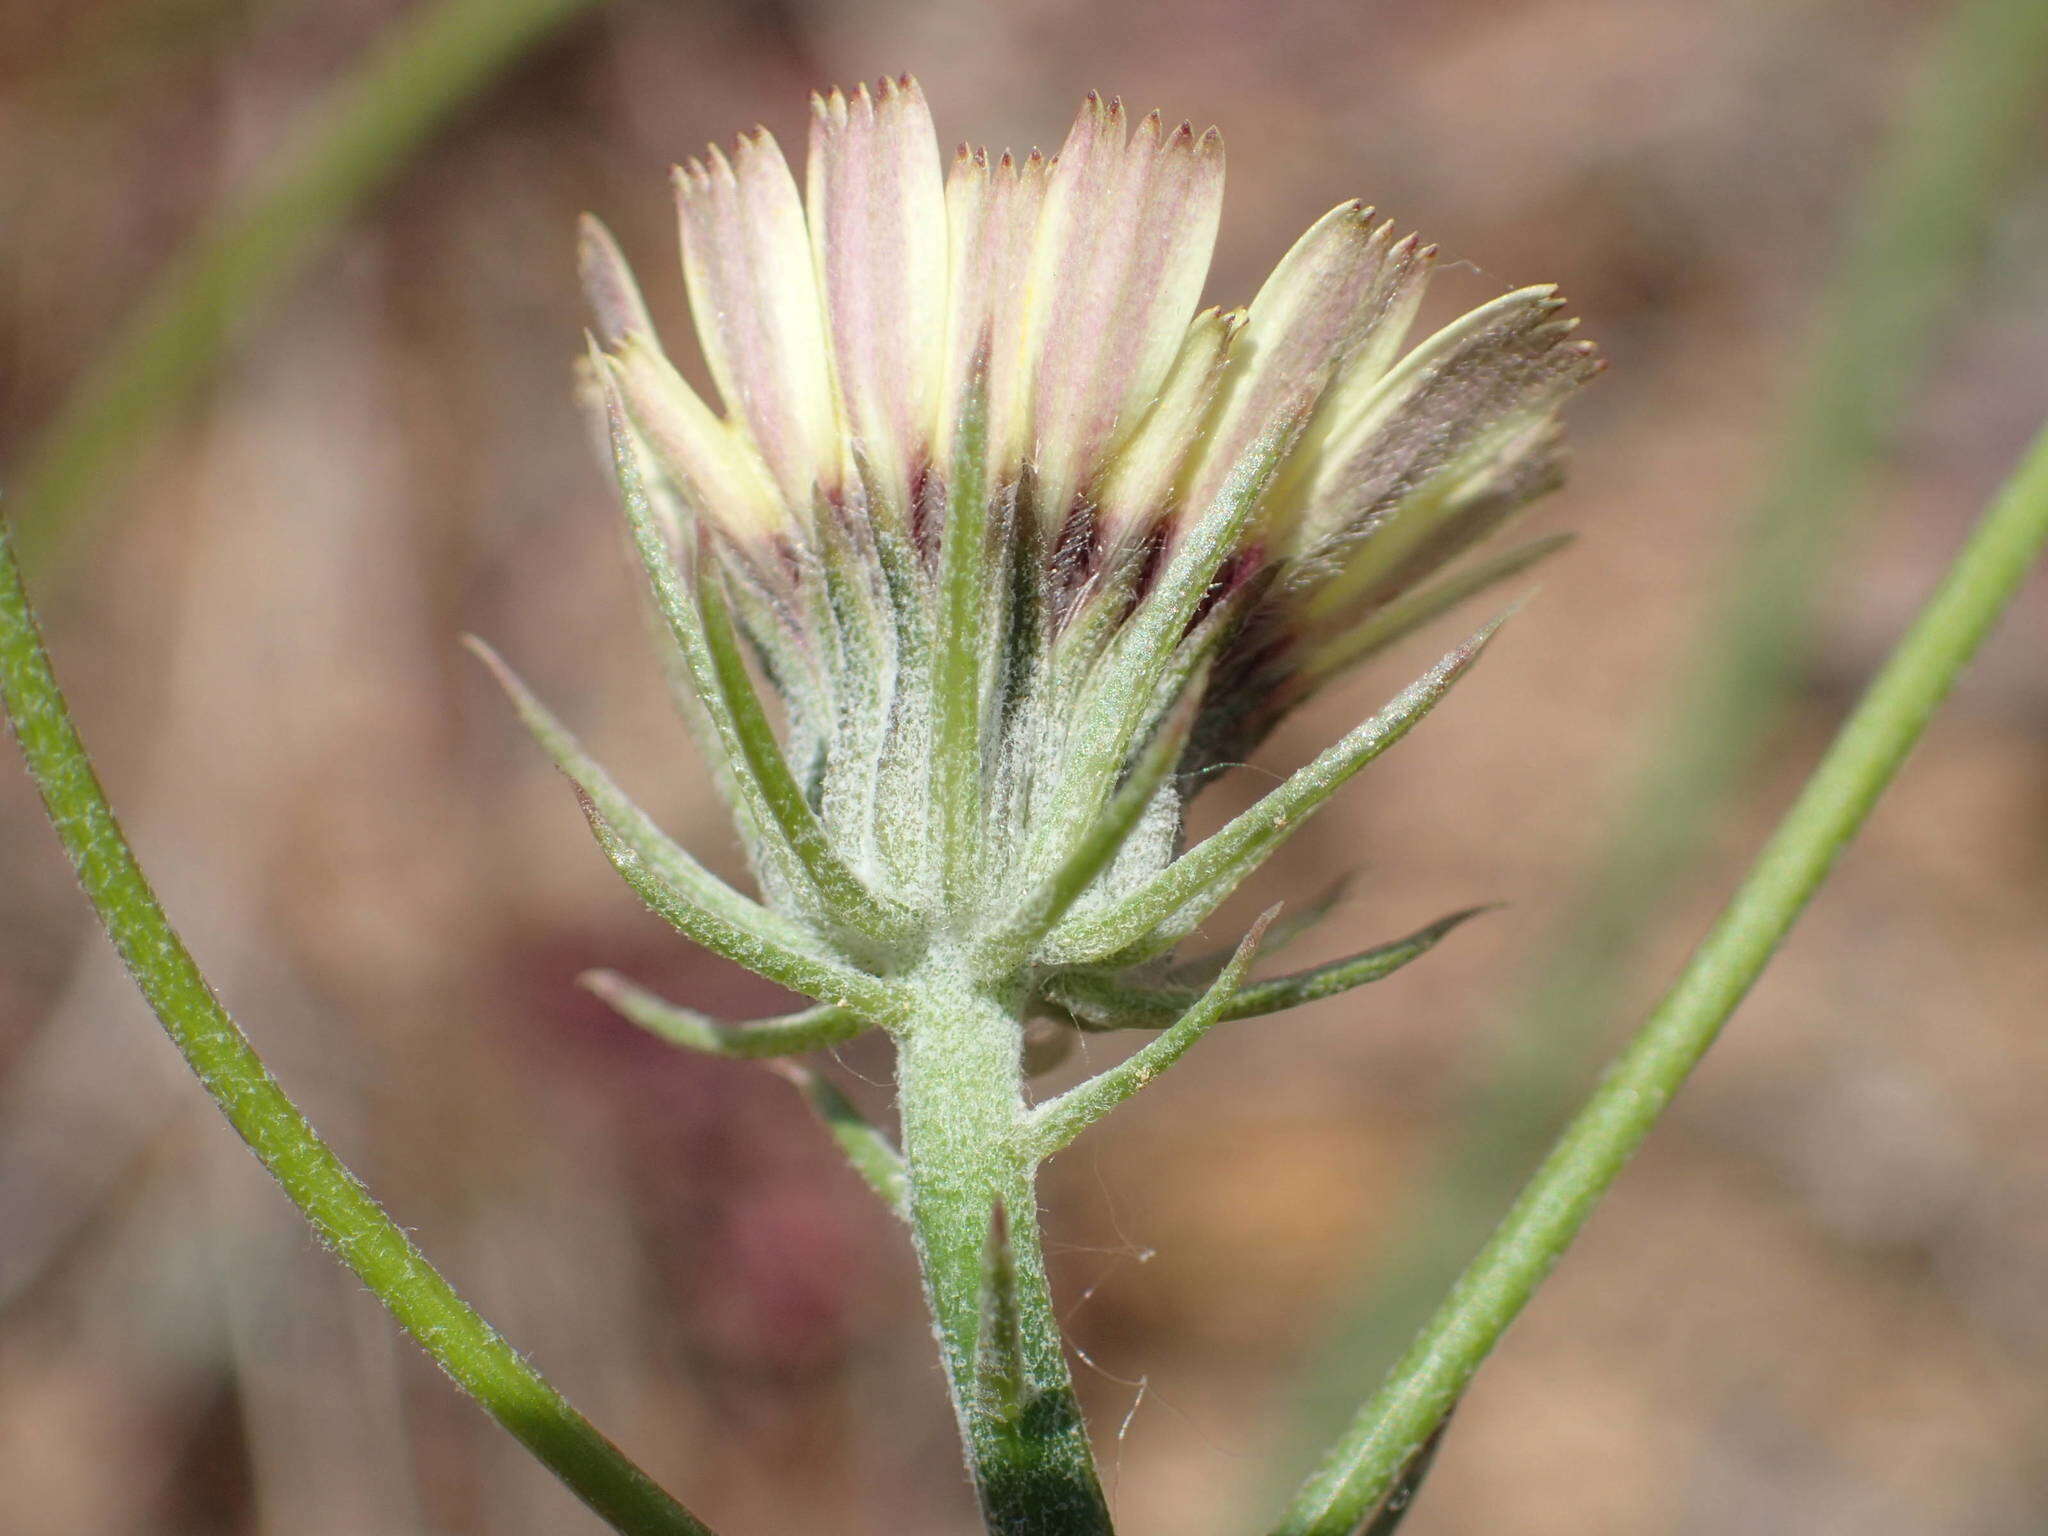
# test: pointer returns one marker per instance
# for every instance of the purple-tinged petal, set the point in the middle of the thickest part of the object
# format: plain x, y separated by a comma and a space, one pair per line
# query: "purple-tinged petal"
992, 215
1448, 443
1334, 299
1122, 251
1466, 503
713, 466
747, 259
1139, 484
608, 285
877, 207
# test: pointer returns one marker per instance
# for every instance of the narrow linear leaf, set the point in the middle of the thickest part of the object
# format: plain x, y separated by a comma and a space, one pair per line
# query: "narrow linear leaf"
341, 1211
1098, 1002
1393, 1509
873, 1155
790, 1034
1057, 1122
1527, 1244
633, 825
1958, 149
800, 970
1162, 911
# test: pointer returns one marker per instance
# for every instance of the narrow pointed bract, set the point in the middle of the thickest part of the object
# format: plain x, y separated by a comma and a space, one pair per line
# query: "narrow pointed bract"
1108, 1001
1058, 1121
867, 1147
808, 1029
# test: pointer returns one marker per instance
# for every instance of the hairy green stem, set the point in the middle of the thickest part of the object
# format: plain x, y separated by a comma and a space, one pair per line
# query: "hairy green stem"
350, 143
1925, 214
960, 1088
1864, 756
341, 1211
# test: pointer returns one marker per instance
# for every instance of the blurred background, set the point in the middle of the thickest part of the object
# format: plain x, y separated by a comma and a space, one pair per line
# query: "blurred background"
1808, 235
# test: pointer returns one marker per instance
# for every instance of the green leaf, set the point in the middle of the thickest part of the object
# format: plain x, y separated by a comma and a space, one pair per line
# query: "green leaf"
1099, 1002
789, 1034
1166, 908
1393, 1509
1619, 1114
1958, 155
1058, 1121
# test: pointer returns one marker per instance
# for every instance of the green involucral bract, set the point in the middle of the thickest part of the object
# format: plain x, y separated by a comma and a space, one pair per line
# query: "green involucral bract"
996, 551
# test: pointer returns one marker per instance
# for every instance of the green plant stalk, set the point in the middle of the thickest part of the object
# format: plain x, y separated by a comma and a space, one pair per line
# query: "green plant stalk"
960, 1094
1925, 214
341, 1211
1836, 799
350, 143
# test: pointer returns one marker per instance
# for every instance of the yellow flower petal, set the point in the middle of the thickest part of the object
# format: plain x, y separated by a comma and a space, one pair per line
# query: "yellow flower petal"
992, 214
747, 259
713, 466
1332, 298
1140, 481
1122, 250
877, 207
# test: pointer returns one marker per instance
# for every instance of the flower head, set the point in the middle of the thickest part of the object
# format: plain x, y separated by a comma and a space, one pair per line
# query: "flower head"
1022, 536
993, 544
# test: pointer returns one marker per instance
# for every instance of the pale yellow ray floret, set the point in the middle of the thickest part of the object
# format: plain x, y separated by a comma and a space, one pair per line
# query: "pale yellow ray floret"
754, 295
876, 205
992, 215
851, 330
1337, 302
1141, 479
1117, 268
